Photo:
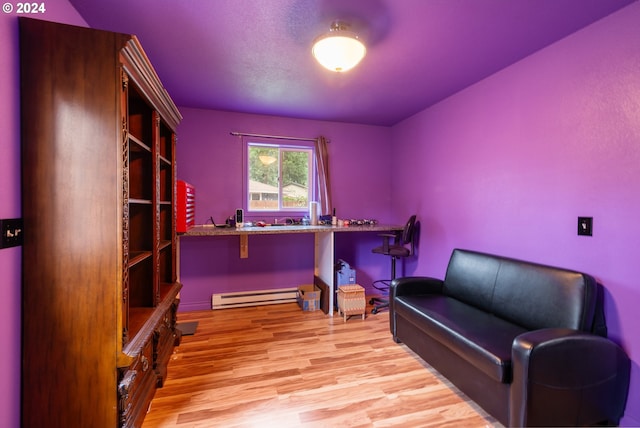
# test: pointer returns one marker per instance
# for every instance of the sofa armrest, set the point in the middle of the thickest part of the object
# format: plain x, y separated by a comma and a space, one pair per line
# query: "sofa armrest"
406, 286
411, 285
567, 377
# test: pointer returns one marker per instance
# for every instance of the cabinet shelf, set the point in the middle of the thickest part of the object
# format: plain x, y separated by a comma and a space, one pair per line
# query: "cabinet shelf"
138, 256
140, 201
144, 319
138, 145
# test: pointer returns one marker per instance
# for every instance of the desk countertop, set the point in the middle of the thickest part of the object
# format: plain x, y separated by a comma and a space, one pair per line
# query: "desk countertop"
271, 230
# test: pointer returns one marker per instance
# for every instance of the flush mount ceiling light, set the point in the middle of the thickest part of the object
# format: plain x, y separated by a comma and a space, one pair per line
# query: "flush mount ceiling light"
339, 49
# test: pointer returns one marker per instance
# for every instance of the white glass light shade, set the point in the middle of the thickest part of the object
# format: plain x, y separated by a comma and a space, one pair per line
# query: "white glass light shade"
339, 50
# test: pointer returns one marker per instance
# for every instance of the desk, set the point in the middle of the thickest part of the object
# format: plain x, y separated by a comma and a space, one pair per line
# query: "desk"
324, 252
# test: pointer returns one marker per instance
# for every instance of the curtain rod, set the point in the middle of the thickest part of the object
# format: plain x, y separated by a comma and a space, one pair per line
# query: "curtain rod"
279, 137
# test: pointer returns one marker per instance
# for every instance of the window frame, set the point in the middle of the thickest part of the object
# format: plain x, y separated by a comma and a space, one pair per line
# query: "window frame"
282, 146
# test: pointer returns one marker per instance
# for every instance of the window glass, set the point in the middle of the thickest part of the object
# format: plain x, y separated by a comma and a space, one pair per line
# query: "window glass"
279, 177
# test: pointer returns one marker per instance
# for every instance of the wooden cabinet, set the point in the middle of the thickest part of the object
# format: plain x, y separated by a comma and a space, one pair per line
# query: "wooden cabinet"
100, 290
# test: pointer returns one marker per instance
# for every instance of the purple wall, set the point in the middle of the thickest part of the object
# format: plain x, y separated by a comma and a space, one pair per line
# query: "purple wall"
507, 165
10, 208
211, 159
10, 259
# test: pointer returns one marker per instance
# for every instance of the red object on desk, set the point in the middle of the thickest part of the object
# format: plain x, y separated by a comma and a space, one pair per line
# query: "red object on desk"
186, 206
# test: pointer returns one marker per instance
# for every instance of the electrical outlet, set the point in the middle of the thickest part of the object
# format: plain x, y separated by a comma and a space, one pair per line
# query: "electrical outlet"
585, 226
12, 232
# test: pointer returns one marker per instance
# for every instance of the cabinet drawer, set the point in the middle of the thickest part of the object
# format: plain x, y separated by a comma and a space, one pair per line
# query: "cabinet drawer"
136, 387
164, 335
163, 343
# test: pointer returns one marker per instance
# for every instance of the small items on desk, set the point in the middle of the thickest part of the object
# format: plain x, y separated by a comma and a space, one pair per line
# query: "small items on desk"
214, 224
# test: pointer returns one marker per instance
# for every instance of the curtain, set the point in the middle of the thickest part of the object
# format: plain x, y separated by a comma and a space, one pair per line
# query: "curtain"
324, 183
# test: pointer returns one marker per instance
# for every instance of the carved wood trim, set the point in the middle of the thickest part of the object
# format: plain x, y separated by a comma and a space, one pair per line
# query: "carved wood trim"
139, 68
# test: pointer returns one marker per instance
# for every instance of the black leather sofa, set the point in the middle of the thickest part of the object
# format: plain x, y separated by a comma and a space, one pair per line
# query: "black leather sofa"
525, 341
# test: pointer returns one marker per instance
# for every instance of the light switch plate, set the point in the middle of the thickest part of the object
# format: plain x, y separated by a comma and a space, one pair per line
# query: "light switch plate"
12, 232
585, 226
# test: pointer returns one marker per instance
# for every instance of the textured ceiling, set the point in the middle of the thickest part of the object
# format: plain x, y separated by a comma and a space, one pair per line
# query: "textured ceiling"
254, 56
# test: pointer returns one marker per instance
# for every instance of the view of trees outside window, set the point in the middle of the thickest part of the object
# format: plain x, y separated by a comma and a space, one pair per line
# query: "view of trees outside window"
279, 177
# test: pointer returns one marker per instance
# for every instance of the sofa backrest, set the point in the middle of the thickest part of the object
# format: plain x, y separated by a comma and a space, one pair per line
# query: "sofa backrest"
531, 295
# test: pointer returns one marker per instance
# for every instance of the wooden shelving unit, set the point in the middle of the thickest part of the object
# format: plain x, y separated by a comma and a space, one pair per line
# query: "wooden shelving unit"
100, 289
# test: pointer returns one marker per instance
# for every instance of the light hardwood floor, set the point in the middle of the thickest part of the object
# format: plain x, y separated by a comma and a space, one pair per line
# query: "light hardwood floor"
278, 366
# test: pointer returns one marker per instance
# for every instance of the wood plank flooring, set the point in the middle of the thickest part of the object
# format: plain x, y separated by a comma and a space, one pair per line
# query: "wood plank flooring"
279, 366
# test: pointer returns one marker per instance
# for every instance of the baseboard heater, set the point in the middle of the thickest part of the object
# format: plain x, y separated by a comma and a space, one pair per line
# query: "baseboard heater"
253, 298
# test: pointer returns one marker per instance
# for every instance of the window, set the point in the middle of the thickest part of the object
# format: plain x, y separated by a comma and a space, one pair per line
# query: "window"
280, 177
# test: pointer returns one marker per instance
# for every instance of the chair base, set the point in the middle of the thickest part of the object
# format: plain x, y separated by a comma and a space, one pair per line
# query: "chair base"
380, 302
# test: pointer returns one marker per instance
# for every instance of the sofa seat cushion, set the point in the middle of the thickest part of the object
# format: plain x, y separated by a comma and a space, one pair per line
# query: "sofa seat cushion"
479, 337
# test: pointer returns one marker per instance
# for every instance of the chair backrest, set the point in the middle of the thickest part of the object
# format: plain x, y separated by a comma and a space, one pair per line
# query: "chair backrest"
408, 233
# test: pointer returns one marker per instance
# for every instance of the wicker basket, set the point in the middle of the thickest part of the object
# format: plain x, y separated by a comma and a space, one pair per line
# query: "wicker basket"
351, 301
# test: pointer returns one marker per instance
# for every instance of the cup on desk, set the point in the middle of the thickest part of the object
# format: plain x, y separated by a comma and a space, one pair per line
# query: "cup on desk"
313, 212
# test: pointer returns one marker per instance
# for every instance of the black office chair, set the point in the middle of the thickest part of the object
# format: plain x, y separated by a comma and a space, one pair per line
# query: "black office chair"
403, 246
